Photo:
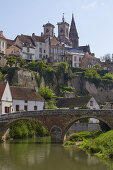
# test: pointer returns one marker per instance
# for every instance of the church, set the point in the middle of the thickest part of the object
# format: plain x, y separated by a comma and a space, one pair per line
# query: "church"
67, 34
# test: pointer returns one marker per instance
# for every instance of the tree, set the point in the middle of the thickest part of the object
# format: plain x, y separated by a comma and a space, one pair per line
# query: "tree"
92, 74
11, 61
108, 76
46, 92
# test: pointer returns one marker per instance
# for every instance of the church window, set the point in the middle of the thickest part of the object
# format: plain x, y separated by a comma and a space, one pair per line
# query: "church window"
61, 31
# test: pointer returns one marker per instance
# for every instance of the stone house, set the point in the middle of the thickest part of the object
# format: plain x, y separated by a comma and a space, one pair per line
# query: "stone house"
25, 99
56, 51
89, 60
5, 98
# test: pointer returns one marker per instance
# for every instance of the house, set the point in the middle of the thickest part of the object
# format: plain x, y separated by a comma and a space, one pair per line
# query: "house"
76, 56
25, 99
56, 50
89, 60
82, 102
92, 104
3, 46
5, 98
108, 105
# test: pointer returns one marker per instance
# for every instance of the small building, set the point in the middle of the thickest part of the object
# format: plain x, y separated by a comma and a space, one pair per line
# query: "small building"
5, 98
89, 60
108, 105
25, 99
76, 56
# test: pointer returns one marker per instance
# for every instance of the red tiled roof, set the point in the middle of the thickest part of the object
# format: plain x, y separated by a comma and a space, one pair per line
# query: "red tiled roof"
2, 88
22, 93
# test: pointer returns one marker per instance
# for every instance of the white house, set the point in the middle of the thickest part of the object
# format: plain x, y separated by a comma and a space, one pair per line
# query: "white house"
41, 47
25, 99
77, 56
92, 104
5, 98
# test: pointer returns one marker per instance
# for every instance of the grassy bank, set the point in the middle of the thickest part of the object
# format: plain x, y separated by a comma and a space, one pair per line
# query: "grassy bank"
98, 143
101, 146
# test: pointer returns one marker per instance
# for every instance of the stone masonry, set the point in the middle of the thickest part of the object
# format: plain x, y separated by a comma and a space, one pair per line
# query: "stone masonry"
56, 121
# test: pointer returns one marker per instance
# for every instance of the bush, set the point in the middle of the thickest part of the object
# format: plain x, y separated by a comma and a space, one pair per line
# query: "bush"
80, 136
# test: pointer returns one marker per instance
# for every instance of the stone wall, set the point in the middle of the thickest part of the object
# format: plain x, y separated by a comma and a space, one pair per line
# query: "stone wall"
80, 127
101, 94
25, 79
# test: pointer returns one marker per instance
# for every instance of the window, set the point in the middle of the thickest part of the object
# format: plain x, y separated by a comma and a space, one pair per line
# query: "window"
17, 108
80, 59
35, 107
26, 101
74, 58
25, 108
28, 49
3, 44
40, 50
7, 109
44, 51
40, 55
91, 103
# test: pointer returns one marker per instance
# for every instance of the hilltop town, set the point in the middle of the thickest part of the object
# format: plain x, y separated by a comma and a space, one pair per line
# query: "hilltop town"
59, 64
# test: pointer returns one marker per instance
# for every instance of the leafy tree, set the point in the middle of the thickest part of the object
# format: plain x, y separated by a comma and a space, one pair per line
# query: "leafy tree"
108, 76
92, 74
11, 61
62, 66
97, 66
46, 92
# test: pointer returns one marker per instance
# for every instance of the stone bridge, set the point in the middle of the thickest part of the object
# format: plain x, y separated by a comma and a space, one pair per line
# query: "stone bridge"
56, 121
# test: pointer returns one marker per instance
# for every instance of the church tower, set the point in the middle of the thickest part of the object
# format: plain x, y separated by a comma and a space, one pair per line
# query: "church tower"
63, 30
48, 30
73, 35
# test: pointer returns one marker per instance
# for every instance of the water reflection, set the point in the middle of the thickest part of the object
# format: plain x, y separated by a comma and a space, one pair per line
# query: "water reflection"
33, 155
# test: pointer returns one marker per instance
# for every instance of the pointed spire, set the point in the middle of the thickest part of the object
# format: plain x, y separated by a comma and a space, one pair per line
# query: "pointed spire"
73, 33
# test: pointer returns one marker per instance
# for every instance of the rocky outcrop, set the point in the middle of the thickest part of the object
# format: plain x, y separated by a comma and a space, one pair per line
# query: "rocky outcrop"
25, 78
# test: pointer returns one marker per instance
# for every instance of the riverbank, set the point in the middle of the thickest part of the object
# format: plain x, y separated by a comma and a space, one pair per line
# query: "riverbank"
96, 144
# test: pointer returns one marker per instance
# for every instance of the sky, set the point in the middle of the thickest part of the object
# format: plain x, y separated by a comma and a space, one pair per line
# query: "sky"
93, 18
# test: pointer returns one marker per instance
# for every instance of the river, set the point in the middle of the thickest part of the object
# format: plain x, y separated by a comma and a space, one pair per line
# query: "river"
32, 154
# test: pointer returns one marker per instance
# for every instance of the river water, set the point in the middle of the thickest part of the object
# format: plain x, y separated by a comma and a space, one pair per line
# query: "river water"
32, 154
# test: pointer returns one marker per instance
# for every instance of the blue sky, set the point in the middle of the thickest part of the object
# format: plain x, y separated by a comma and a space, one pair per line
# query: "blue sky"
94, 19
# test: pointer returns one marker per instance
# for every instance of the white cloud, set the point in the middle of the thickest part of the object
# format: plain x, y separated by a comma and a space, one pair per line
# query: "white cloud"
90, 5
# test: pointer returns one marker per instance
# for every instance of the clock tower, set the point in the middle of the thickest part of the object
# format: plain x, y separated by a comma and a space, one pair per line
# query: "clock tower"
63, 30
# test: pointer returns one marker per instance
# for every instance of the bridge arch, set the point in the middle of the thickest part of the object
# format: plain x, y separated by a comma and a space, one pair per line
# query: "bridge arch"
8, 125
73, 120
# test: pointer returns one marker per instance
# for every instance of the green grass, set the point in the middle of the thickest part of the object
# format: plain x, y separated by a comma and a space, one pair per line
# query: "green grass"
101, 146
